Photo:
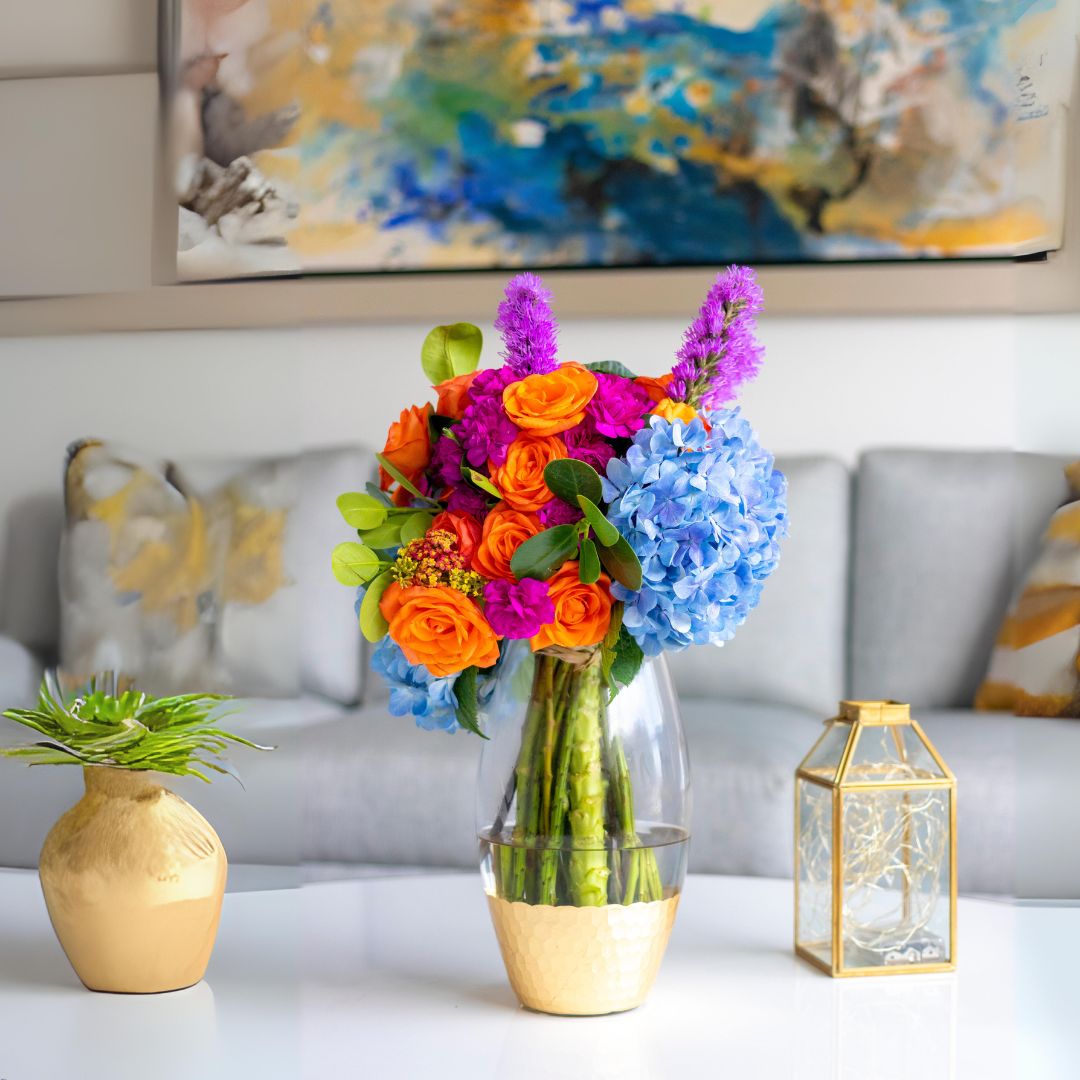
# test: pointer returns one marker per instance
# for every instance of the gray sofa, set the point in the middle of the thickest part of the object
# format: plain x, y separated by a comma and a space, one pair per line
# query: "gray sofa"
892, 585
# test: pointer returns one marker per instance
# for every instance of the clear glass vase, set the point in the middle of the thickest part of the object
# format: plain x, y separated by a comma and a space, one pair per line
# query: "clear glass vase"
582, 815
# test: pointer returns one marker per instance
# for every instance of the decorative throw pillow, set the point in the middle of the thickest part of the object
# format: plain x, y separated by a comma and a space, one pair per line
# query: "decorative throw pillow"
1035, 667
181, 587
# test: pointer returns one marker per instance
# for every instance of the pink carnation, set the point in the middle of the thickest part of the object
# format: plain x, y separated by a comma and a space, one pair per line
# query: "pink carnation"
517, 609
618, 406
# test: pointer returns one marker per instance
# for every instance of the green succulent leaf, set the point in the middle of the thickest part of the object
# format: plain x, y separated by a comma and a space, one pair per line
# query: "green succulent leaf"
482, 482
589, 565
361, 511
626, 661
415, 526
385, 537
611, 367
541, 555
354, 564
621, 562
606, 533
568, 478
372, 623
392, 469
451, 350
468, 707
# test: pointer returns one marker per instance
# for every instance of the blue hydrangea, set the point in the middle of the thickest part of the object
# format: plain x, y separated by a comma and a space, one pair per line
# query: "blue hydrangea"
705, 512
414, 691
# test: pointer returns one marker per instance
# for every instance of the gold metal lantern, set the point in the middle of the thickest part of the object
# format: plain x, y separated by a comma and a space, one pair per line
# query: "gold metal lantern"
875, 847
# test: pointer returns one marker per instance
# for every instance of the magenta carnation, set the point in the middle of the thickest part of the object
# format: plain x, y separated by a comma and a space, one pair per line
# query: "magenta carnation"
618, 407
720, 351
465, 499
556, 512
586, 444
445, 467
528, 327
517, 609
485, 431
490, 383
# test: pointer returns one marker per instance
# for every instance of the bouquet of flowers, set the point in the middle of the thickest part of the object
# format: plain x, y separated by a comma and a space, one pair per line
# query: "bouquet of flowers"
599, 515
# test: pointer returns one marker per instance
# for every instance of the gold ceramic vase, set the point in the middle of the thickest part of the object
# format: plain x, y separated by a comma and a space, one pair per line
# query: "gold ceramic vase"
133, 878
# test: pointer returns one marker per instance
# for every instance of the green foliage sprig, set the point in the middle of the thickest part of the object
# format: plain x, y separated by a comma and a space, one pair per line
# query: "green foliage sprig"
131, 730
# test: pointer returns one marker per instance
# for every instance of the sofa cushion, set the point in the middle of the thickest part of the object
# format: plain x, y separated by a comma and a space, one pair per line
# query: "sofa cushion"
939, 539
792, 648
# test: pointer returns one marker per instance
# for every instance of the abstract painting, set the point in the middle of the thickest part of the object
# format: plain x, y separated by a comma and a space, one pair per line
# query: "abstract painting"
397, 135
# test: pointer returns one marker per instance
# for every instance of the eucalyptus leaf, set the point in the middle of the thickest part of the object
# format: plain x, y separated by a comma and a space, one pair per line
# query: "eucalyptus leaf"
379, 495
589, 566
392, 469
541, 555
361, 511
451, 350
611, 367
607, 647
354, 564
468, 707
621, 562
606, 533
415, 527
568, 478
482, 482
385, 537
372, 623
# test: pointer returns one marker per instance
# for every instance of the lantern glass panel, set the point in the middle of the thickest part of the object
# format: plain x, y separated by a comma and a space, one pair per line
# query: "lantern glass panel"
825, 758
890, 752
896, 876
815, 854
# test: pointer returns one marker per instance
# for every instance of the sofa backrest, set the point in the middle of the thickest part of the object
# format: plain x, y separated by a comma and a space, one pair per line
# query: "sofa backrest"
792, 647
940, 540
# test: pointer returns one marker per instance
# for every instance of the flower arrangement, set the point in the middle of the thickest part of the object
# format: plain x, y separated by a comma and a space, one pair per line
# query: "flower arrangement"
576, 506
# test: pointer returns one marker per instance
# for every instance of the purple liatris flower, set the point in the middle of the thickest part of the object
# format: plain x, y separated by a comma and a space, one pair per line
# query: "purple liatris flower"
517, 609
618, 407
705, 512
528, 327
719, 350
586, 444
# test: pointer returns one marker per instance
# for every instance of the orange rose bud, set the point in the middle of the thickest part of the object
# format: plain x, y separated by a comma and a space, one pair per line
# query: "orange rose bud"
677, 410
657, 389
548, 404
440, 628
505, 530
582, 612
464, 526
408, 449
454, 395
520, 478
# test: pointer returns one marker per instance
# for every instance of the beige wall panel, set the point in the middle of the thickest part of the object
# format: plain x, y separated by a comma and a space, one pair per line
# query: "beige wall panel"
69, 37
76, 189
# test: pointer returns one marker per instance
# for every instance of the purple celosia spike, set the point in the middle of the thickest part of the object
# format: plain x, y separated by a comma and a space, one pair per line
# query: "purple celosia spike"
528, 327
720, 351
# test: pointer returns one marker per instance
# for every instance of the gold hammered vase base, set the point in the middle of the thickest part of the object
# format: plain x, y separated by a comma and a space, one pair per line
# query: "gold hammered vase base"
582, 961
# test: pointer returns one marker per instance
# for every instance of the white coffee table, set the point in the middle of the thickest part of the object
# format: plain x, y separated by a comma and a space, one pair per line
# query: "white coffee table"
400, 978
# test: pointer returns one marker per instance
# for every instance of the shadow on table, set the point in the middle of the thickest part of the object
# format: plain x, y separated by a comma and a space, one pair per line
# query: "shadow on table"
36, 962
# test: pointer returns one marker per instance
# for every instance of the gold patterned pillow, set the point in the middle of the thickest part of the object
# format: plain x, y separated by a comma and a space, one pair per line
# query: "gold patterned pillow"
1035, 667
181, 587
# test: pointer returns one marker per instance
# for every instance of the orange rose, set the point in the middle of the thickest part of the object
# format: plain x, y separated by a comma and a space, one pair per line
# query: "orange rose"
657, 389
408, 449
677, 410
454, 395
548, 404
520, 478
464, 526
440, 628
582, 612
505, 530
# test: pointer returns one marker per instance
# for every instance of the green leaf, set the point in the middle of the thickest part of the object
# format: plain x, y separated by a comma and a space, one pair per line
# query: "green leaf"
541, 555
354, 564
606, 533
380, 496
451, 350
621, 562
372, 624
589, 566
626, 661
568, 478
482, 482
607, 648
611, 367
385, 537
361, 511
415, 526
468, 708
411, 488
